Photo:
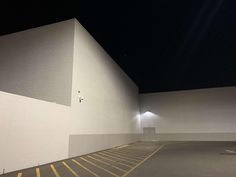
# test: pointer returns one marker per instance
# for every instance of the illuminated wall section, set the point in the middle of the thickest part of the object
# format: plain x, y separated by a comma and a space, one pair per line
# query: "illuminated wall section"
41, 117
204, 114
109, 114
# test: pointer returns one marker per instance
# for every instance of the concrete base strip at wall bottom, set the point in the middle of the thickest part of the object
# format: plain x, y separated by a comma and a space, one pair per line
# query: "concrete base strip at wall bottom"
194, 137
87, 143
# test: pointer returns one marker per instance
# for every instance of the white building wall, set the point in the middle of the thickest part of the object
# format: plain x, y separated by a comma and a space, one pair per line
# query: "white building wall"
39, 122
204, 114
32, 132
110, 105
36, 64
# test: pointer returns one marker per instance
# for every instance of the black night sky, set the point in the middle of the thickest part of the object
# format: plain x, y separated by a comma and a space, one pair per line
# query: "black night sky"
162, 45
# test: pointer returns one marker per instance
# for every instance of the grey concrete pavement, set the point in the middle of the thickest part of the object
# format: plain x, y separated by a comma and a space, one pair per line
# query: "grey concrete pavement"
115, 162
190, 159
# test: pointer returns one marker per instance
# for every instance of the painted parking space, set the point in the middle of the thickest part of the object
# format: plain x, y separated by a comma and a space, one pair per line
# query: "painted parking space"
115, 162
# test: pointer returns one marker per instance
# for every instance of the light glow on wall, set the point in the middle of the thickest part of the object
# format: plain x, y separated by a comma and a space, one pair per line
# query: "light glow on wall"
149, 119
148, 114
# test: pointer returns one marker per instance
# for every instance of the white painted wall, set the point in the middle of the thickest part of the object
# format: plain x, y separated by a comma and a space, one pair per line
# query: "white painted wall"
110, 103
195, 111
37, 63
32, 132
33, 128
110, 108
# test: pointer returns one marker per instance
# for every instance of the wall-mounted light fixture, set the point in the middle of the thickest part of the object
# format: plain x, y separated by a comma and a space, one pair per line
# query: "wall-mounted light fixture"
80, 97
148, 114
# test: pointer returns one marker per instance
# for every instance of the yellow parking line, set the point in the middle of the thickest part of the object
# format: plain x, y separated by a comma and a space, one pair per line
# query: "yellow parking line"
99, 167
143, 161
107, 164
130, 151
54, 171
134, 152
128, 155
122, 146
112, 160
70, 169
135, 160
79, 164
37, 172
135, 155
19, 175
117, 158
123, 150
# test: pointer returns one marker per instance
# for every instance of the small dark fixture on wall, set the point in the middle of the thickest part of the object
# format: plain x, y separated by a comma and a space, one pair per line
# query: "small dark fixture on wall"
80, 98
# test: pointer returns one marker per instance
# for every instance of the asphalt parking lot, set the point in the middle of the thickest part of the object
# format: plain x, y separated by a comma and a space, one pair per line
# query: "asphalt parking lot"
191, 159
118, 162
146, 159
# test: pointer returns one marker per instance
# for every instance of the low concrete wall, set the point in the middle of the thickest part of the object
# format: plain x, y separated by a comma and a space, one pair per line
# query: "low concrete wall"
196, 137
87, 143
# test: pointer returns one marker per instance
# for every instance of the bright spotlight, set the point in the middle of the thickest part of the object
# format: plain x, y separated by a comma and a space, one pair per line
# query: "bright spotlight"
148, 114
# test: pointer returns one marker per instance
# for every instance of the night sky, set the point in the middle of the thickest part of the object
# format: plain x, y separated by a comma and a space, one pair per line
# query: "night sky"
163, 45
